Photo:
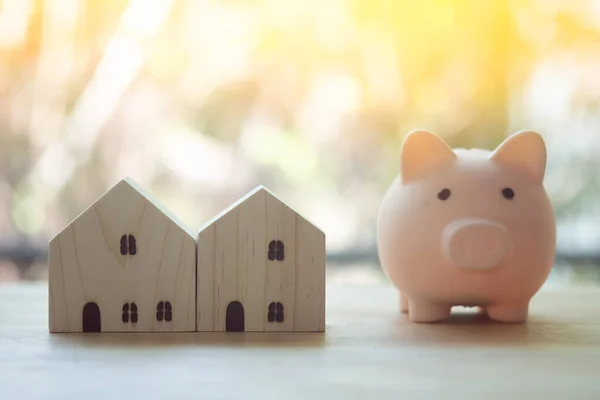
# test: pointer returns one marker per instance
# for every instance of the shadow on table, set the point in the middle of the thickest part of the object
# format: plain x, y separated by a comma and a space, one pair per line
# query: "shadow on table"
465, 329
190, 339
473, 328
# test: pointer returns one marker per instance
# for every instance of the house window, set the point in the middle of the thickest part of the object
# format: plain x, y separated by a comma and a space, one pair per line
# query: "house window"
128, 245
276, 250
164, 311
168, 312
129, 313
125, 314
134, 313
132, 245
160, 311
275, 312
124, 248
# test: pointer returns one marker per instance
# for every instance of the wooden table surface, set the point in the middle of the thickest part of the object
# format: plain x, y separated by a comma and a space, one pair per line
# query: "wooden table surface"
369, 351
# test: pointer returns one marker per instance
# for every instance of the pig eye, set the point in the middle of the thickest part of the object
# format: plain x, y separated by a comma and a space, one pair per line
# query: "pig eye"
508, 193
444, 194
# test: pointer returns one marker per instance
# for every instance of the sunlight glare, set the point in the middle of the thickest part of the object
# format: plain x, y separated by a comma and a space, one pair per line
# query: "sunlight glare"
197, 158
119, 65
144, 17
14, 19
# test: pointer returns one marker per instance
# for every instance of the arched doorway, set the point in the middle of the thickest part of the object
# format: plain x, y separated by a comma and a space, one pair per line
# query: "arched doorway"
90, 318
234, 319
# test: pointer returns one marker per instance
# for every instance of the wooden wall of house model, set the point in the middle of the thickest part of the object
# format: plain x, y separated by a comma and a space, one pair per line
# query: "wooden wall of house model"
123, 265
127, 265
261, 267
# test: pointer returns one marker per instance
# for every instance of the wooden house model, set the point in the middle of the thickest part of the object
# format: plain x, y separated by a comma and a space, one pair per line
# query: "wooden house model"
127, 265
124, 264
261, 267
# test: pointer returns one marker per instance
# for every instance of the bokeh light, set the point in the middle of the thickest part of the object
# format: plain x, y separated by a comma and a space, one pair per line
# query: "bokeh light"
201, 101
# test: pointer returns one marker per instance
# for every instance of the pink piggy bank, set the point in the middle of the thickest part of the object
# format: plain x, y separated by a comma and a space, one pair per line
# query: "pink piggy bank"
468, 227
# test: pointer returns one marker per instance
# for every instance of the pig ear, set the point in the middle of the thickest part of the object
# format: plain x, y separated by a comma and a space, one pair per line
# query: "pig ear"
525, 150
420, 151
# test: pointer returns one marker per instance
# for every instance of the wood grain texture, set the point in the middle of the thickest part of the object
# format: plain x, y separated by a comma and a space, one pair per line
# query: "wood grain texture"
86, 264
252, 259
233, 265
369, 351
310, 278
280, 279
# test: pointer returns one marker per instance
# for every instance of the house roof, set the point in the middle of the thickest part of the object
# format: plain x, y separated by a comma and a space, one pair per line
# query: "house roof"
246, 197
130, 185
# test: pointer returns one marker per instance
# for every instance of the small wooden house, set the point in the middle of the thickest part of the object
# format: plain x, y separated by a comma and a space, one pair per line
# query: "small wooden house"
125, 264
261, 267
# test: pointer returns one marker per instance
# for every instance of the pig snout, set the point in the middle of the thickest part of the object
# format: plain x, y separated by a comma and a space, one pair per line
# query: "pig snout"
476, 244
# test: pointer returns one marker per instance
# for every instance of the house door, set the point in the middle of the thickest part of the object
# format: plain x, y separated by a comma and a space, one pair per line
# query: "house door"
234, 319
90, 318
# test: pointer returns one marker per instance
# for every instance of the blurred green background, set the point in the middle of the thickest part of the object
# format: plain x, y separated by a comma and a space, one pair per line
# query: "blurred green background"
200, 101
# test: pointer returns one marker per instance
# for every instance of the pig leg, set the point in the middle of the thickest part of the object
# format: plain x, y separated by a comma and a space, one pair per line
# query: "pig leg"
422, 311
403, 303
511, 313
